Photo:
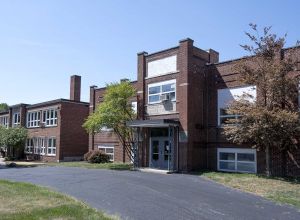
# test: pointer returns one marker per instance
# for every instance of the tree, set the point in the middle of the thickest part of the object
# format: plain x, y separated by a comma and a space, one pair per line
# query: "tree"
113, 113
13, 139
271, 123
3, 107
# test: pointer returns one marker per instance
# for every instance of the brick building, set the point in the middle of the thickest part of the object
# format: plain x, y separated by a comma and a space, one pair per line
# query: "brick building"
54, 127
182, 94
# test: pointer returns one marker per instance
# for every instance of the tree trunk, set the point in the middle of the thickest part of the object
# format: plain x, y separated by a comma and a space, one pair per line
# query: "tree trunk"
283, 163
268, 161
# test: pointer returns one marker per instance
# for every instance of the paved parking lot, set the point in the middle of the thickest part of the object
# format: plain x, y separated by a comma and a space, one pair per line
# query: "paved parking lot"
138, 195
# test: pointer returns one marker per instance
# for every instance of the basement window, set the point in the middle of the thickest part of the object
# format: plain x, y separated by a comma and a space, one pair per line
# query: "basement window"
109, 150
237, 160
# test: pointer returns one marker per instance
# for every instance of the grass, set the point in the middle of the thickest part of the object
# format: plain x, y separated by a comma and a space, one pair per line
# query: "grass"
83, 164
27, 201
280, 190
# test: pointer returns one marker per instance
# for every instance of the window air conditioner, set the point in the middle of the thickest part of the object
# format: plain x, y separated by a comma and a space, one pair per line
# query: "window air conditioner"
165, 97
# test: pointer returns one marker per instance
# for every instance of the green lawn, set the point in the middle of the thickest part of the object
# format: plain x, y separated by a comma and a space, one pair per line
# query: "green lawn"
20, 201
83, 164
285, 191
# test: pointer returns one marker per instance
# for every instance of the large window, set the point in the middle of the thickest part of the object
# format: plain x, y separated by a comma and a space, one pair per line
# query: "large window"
4, 121
237, 160
50, 117
225, 98
109, 150
33, 119
29, 146
16, 119
39, 145
51, 146
162, 91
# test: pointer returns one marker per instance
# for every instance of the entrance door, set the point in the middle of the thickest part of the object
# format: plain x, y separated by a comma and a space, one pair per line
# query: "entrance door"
160, 152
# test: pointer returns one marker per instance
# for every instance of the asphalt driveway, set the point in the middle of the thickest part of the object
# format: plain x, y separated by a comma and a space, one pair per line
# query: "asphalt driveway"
137, 195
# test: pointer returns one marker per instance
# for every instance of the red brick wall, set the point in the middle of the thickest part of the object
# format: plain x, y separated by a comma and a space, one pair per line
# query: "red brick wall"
73, 137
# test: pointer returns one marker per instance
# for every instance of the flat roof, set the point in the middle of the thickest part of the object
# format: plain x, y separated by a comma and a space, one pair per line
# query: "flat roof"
56, 101
158, 123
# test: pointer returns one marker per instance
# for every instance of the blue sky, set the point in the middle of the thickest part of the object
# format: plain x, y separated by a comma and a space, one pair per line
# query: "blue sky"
43, 43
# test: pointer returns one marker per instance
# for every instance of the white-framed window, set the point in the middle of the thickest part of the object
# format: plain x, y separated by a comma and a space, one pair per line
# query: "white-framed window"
4, 121
16, 119
134, 107
50, 117
33, 119
39, 145
109, 150
51, 150
29, 146
162, 91
237, 160
36, 149
226, 96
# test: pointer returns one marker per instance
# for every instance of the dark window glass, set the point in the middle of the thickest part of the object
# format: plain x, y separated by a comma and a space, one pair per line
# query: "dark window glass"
227, 156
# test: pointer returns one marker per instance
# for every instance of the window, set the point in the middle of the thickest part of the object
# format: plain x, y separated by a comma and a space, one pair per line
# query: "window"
162, 91
50, 117
16, 119
134, 107
109, 150
36, 147
224, 116
29, 146
226, 96
237, 160
51, 146
39, 147
33, 119
4, 121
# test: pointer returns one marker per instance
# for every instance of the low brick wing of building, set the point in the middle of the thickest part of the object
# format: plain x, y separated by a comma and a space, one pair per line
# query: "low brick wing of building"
54, 127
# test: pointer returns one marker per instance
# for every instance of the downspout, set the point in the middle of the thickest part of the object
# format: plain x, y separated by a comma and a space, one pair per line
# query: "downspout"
177, 128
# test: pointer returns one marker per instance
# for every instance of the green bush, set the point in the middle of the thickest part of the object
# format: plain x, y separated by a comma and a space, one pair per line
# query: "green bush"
96, 156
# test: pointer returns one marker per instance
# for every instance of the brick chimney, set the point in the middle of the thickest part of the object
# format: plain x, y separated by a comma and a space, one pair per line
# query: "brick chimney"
75, 87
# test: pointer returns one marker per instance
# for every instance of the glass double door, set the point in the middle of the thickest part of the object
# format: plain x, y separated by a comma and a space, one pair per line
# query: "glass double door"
160, 151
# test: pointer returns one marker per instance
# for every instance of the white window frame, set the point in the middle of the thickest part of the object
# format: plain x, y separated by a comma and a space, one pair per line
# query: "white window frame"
16, 119
160, 84
4, 121
28, 146
134, 106
51, 147
33, 119
104, 146
40, 142
50, 117
219, 107
236, 151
